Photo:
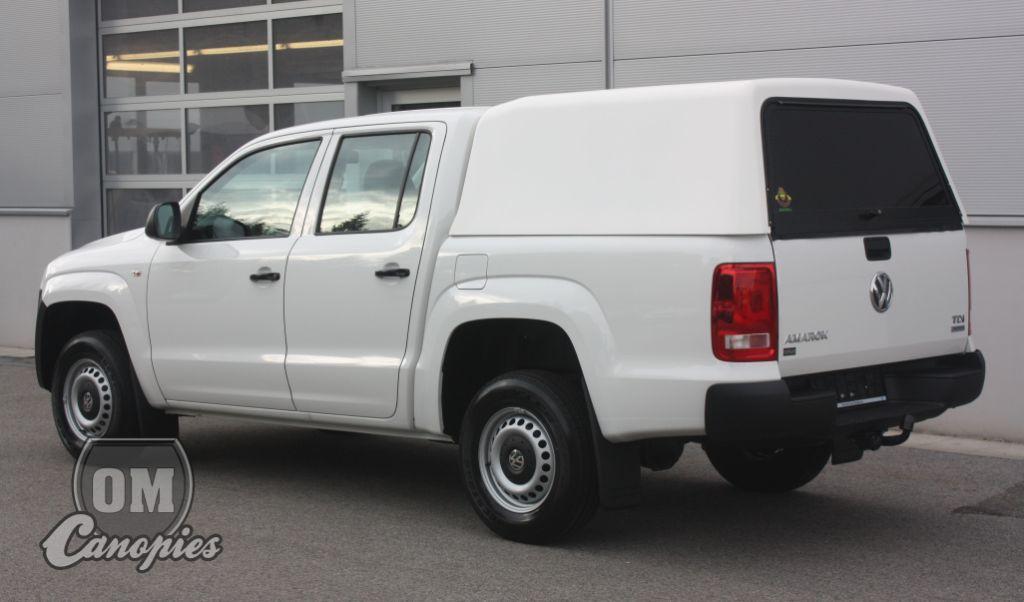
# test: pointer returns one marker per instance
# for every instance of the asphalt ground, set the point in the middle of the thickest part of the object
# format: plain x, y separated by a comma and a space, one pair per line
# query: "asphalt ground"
318, 515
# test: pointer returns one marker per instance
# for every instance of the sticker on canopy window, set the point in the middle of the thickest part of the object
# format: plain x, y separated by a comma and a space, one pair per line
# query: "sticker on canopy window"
783, 200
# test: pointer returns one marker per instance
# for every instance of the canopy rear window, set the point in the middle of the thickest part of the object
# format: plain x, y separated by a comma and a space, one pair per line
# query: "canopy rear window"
844, 168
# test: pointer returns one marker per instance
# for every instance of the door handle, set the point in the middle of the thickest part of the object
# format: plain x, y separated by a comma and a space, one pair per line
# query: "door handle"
265, 277
392, 273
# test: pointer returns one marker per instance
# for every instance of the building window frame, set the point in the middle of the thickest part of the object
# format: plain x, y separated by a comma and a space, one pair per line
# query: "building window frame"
182, 101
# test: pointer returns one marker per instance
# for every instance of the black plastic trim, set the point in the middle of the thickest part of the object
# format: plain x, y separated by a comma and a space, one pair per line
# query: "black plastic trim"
39, 351
787, 409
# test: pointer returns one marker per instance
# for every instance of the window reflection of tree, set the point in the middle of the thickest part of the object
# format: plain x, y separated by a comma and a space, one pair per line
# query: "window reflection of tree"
356, 223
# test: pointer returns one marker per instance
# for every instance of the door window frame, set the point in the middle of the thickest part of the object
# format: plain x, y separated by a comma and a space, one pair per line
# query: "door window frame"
334, 161
318, 196
190, 204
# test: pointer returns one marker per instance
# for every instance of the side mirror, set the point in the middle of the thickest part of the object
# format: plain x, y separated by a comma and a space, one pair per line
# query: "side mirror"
164, 222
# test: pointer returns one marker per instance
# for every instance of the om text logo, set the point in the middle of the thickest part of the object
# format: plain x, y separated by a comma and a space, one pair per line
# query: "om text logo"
131, 500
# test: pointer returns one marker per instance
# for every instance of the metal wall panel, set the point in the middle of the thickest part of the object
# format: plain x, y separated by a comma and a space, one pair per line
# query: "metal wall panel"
972, 90
501, 84
27, 243
33, 44
488, 32
34, 105
654, 28
33, 168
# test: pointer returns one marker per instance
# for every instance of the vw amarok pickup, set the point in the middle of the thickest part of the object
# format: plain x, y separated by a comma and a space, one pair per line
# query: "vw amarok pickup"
570, 287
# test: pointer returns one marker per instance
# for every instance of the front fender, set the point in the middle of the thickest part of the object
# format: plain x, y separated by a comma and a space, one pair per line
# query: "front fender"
564, 303
127, 302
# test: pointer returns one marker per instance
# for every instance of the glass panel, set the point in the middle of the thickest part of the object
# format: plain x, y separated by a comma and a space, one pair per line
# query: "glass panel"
141, 64
835, 168
308, 51
131, 9
194, 5
257, 196
226, 57
127, 208
366, 182
215, 132
413, 182
287, 115
144, 142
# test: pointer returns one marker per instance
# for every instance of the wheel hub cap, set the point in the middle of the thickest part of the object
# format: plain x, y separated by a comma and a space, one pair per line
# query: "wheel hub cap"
88, 399
517, 460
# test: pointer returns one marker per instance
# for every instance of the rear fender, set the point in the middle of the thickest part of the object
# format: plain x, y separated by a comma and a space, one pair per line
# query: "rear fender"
564, 303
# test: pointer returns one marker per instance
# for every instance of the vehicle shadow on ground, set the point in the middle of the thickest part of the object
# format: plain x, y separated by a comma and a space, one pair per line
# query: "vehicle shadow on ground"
687, 507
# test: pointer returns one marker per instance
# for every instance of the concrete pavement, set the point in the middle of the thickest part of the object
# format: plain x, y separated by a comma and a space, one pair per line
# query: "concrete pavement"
320, 515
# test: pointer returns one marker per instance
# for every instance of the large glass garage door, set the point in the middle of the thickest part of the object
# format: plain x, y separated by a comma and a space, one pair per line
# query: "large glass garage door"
186, 82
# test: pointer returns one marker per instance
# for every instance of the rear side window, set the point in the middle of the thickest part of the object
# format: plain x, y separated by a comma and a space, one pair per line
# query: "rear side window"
375, 183
836, 168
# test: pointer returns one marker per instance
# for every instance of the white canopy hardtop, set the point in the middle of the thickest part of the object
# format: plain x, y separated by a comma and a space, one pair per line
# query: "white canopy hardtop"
681, 159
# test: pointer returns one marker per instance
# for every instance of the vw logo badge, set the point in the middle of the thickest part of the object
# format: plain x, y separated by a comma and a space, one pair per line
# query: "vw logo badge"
881, 292
516, 461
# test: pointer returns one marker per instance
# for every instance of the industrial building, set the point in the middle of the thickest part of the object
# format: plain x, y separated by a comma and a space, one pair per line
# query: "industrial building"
108, 107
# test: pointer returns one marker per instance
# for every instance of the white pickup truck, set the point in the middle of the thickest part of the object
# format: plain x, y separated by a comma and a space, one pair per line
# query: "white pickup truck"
570, 287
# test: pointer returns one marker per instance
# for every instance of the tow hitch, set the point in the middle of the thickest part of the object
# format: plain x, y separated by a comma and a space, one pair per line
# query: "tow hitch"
850, 448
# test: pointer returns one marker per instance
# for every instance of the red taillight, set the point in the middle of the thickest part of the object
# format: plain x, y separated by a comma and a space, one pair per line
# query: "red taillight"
744, 312
970, 325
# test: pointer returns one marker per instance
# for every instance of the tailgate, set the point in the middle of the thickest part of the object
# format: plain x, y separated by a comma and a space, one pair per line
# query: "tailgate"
870, 250
827, 316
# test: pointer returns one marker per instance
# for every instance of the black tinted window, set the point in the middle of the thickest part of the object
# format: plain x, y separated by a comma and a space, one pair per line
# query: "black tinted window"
375, 183
255, 197
844, 169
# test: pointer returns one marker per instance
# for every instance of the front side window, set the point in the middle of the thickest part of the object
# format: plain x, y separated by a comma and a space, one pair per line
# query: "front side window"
257, 196
375, 183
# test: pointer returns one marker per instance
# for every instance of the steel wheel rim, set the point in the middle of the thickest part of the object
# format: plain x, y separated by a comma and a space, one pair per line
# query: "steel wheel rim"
517, 460
88, 399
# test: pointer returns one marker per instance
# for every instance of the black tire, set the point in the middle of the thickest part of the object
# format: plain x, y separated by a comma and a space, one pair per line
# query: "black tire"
769, 470
569, 498
100, 365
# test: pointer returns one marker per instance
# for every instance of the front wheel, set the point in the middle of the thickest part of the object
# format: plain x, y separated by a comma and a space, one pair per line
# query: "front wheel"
768, 470
527, 460
94, 394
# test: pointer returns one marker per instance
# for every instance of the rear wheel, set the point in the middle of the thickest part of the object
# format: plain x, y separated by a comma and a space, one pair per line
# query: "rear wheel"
94, 394
768, 470
527, 461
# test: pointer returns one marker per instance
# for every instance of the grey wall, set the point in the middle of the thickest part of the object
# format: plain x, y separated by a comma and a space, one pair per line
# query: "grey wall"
517, 48
27, 244
36, 159
34, 104
964, 59
997, 279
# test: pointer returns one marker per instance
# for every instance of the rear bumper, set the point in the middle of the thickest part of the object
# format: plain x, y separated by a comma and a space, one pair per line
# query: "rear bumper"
805, 407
